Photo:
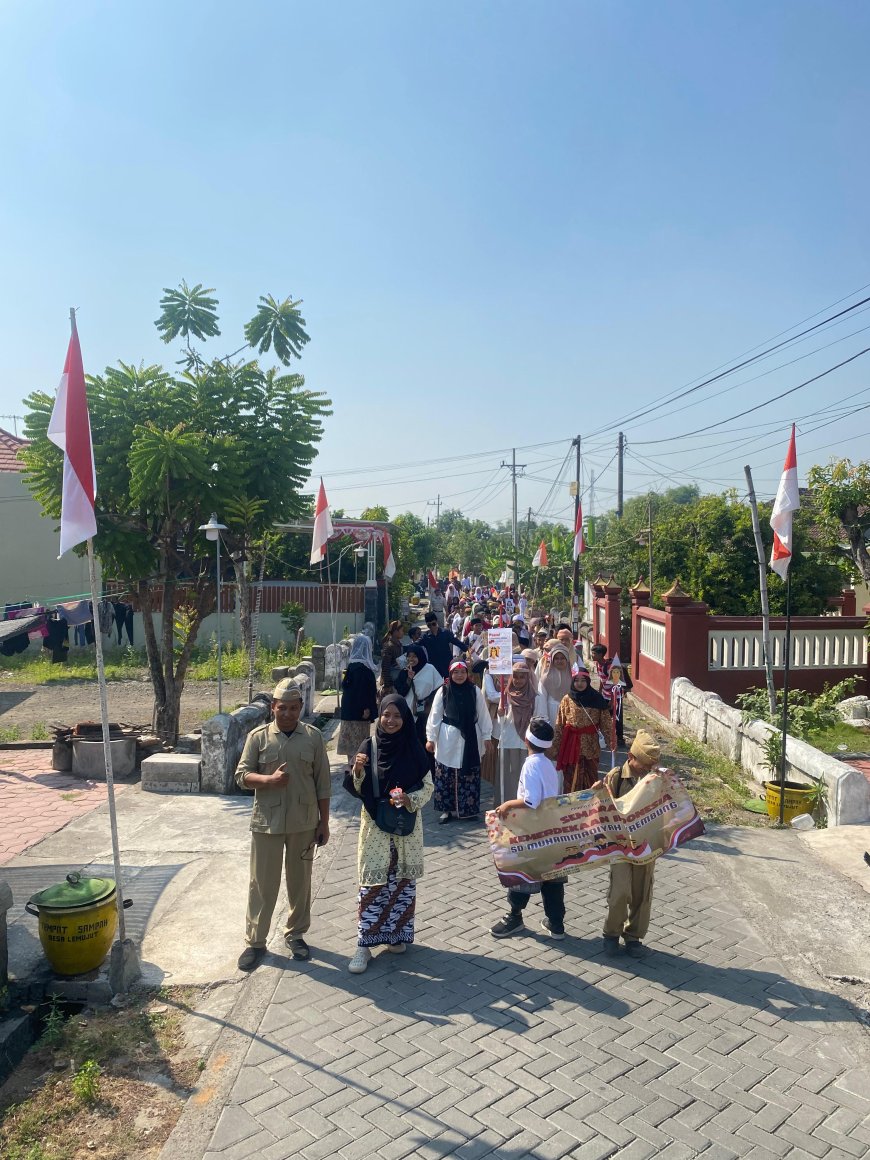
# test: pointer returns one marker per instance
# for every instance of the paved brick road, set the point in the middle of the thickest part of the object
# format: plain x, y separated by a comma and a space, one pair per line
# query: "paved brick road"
528, 1048
37, 801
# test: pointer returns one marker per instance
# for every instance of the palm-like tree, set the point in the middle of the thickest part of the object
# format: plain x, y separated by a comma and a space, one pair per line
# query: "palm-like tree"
280, 326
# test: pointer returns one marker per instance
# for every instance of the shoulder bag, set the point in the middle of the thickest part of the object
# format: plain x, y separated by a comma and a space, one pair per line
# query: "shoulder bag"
395, 820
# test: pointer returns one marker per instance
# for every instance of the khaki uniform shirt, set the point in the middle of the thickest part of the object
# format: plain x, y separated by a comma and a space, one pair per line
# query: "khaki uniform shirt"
293, 809
620, 780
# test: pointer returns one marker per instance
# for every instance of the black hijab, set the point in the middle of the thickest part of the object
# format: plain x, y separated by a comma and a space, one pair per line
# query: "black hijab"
589, 698
402, 760
460, 710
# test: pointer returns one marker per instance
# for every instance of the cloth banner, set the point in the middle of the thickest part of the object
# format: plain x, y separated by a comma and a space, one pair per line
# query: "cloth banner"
578, 830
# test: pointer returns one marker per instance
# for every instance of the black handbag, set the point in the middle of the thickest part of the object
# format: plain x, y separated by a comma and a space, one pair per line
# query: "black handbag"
395, 820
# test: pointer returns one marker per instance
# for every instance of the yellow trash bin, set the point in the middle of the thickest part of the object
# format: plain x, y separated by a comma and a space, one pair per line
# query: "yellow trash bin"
77, 922
797, 800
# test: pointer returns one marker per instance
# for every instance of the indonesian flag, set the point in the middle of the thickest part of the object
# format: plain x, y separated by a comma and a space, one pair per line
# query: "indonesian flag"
579, 541
70, 429
389, 558
540, 560
433, 583
787, 501
322, 526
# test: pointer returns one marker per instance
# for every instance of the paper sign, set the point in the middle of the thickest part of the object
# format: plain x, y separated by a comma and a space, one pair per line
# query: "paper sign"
499, 651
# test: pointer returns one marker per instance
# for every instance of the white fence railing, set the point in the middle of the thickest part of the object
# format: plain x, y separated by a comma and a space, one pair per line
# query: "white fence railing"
811, 648
652, 640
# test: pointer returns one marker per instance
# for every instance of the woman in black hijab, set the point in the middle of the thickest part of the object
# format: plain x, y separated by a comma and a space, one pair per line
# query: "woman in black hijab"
458, 730
583, 718
388, 864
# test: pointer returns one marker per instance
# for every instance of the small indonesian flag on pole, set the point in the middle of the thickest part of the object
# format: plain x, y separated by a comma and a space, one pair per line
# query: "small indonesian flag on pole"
787, 501
540, 560
70, 429
322, 526
389, 558
433, 580
579, 541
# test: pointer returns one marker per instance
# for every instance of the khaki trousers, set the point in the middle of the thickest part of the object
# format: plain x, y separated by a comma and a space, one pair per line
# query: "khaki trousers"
629, 897
269, 852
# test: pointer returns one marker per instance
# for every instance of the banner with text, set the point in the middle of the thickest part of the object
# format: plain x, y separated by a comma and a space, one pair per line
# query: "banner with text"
578, 830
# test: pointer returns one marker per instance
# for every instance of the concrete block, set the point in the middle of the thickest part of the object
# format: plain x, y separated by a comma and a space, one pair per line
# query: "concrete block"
223, 738
5, 905
723, 728
124, 969
279, 672
88, 759
318, 659
171, 773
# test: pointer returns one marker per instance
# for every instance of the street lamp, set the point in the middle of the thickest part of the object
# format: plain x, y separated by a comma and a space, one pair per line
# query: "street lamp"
213, 532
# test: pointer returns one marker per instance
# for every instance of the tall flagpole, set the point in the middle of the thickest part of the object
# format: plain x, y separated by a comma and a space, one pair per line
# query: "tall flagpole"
787, 663
104, 720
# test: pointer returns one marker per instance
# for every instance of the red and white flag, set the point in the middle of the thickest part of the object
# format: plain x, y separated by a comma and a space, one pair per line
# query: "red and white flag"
540, 560
433, 580
787, 501
579, 541
70, 429
389, 558
322, 526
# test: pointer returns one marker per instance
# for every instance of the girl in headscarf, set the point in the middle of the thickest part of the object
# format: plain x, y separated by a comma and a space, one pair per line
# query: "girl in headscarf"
388, 865
458, 730
554, 681
511, 722
391, 650
582, 714
418, 684
359, 702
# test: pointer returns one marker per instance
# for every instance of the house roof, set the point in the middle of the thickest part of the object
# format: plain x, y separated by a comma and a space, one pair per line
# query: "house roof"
10, 445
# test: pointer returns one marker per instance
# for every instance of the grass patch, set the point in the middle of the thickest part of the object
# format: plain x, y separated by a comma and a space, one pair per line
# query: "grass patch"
10, 733
126, 1075
855, 740
39, 732
717, 786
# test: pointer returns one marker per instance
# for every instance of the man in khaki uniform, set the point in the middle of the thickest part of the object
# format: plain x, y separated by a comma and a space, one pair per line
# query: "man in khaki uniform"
630, 897
285, 763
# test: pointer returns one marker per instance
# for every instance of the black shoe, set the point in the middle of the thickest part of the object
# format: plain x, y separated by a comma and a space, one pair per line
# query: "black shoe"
611, 945
251, 957
510, 924
635, 948
444, 819
557, 932
297, 946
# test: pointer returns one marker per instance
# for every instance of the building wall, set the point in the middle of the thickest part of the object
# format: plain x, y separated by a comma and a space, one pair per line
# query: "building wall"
29, 567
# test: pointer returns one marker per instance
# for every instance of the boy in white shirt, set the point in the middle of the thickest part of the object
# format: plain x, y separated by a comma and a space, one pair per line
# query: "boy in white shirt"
539, 779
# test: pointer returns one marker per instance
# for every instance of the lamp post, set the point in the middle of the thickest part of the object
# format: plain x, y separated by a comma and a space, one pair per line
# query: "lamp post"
213, 532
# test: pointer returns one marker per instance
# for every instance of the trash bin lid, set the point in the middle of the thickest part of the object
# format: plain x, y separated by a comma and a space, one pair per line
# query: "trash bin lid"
75, 891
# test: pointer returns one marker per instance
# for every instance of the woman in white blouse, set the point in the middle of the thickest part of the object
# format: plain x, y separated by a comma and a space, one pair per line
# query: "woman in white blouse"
458, 731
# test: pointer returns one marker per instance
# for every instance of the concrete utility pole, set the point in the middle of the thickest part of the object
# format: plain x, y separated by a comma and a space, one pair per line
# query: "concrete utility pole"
620, 453
513, 467
575, 587
435, 503
529, 528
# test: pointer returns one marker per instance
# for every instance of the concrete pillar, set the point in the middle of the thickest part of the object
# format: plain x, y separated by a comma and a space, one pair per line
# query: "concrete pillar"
686, 639
640, 598
850, 603
318, 659
612, 617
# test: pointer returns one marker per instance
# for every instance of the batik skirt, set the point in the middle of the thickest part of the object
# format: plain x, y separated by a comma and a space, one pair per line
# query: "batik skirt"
386, 911
457, 791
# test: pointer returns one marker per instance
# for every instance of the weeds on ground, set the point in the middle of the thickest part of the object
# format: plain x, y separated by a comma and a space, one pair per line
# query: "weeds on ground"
114, 1057
235, 661
11, 733
717, 786
39, 732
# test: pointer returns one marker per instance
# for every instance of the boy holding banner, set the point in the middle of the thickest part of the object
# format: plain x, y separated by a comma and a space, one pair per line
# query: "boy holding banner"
629, 899
539, 779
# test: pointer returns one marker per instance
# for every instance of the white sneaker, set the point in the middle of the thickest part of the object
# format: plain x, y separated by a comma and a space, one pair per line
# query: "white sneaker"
360, 961
397, 948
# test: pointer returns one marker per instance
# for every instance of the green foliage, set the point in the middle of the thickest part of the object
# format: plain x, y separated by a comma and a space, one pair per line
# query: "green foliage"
55, 1021
808, 714
840, 496
187, 312
278, 326
10, 733
39, 732
86, 1082
293, 617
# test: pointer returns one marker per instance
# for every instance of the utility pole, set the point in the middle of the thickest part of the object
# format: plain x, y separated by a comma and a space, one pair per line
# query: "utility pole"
575, 587
650, 544
529, 529
435, 503
620, 452
513, 467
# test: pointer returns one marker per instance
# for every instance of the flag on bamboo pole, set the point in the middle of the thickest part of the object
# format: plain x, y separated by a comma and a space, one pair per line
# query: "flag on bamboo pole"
69, 428
389, 558
540, 560
579, 542
433, 581
322, 526
787, 501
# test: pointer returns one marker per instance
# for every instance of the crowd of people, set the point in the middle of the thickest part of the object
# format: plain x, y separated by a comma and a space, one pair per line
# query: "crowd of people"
442, 723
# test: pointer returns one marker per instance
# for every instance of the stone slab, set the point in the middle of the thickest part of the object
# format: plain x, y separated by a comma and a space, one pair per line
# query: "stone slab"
171, 773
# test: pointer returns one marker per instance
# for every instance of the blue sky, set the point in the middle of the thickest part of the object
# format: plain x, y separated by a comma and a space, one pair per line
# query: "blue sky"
509, 223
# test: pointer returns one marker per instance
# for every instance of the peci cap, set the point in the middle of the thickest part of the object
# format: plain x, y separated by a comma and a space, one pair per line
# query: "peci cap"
287, 690
645, 748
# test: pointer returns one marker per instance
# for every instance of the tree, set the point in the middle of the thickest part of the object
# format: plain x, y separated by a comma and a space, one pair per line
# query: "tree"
840, 498
221, 436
